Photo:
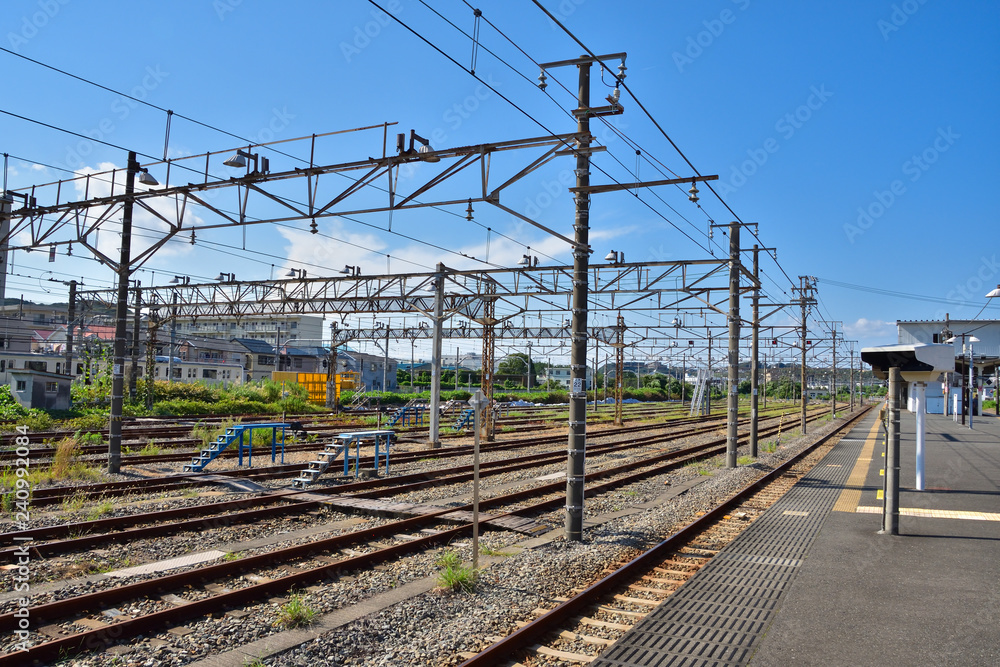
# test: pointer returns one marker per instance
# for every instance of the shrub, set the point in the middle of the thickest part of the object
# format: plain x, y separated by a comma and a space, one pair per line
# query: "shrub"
9, 407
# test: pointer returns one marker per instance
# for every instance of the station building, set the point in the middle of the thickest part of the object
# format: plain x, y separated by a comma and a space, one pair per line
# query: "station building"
982, 354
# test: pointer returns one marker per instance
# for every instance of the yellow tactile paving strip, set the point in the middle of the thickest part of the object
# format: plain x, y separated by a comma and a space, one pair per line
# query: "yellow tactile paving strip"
851, 495
935, 514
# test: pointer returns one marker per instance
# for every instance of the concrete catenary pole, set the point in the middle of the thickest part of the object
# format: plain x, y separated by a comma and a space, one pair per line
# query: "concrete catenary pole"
438, 323
754, 355
121, 321
70, 323
578, 346
733, 400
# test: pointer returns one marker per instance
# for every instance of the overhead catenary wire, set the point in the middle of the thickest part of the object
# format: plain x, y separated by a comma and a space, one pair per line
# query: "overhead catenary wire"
658, 127
171, 113
531, 117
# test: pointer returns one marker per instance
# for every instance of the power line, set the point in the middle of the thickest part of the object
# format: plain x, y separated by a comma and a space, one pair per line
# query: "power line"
513, 104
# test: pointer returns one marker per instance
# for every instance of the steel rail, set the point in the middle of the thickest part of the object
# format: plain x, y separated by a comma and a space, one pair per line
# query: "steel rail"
534, 631
102, 637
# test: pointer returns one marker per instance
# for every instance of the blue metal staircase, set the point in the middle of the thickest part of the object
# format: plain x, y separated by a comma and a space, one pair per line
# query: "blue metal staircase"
464, 419
208, 454
316, 468
234, 434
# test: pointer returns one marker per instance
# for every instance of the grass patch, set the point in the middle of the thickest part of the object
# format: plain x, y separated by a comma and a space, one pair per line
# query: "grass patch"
66, 464
296, 614
151, 449
486, 551
74, 503
232, 555
428, 459
103, 509
454, 576
745, 460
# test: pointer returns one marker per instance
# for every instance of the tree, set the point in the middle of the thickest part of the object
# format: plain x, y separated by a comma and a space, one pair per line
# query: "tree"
517, 364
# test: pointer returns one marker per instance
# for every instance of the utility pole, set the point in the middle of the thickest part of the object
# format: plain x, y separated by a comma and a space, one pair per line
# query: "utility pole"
833, 381
385, 360
581, 255
806, 287
708, 389
577, 445
733, 402
852, 377
71, 319
6, 206
436, 356
173, 337
331, 373
121, 314
133, 376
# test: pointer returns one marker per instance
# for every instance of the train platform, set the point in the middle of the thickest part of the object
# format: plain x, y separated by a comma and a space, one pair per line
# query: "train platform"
811, 582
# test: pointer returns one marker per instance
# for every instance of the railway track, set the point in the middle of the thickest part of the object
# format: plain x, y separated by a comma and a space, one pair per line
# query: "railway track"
308, 563
578, 628
53, 495
167, 522
177, 437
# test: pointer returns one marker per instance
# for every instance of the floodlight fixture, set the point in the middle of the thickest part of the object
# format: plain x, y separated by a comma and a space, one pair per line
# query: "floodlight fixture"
261, 165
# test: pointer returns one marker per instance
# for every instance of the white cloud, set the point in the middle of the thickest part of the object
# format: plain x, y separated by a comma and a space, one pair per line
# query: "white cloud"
332, 254
146, 227
872, 332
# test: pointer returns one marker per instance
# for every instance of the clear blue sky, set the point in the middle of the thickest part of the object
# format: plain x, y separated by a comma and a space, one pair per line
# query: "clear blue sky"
861, 135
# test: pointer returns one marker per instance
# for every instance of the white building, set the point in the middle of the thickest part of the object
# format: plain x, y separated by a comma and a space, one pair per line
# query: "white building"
985, 353
561, 374
276, 330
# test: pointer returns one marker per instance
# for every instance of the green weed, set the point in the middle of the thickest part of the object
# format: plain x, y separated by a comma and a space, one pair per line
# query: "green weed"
486, 551
151, 449
102, 509
74, 503
453, 575
296, 614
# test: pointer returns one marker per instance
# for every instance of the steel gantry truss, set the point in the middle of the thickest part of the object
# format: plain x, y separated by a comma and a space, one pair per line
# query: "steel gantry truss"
651, 286
57, 221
